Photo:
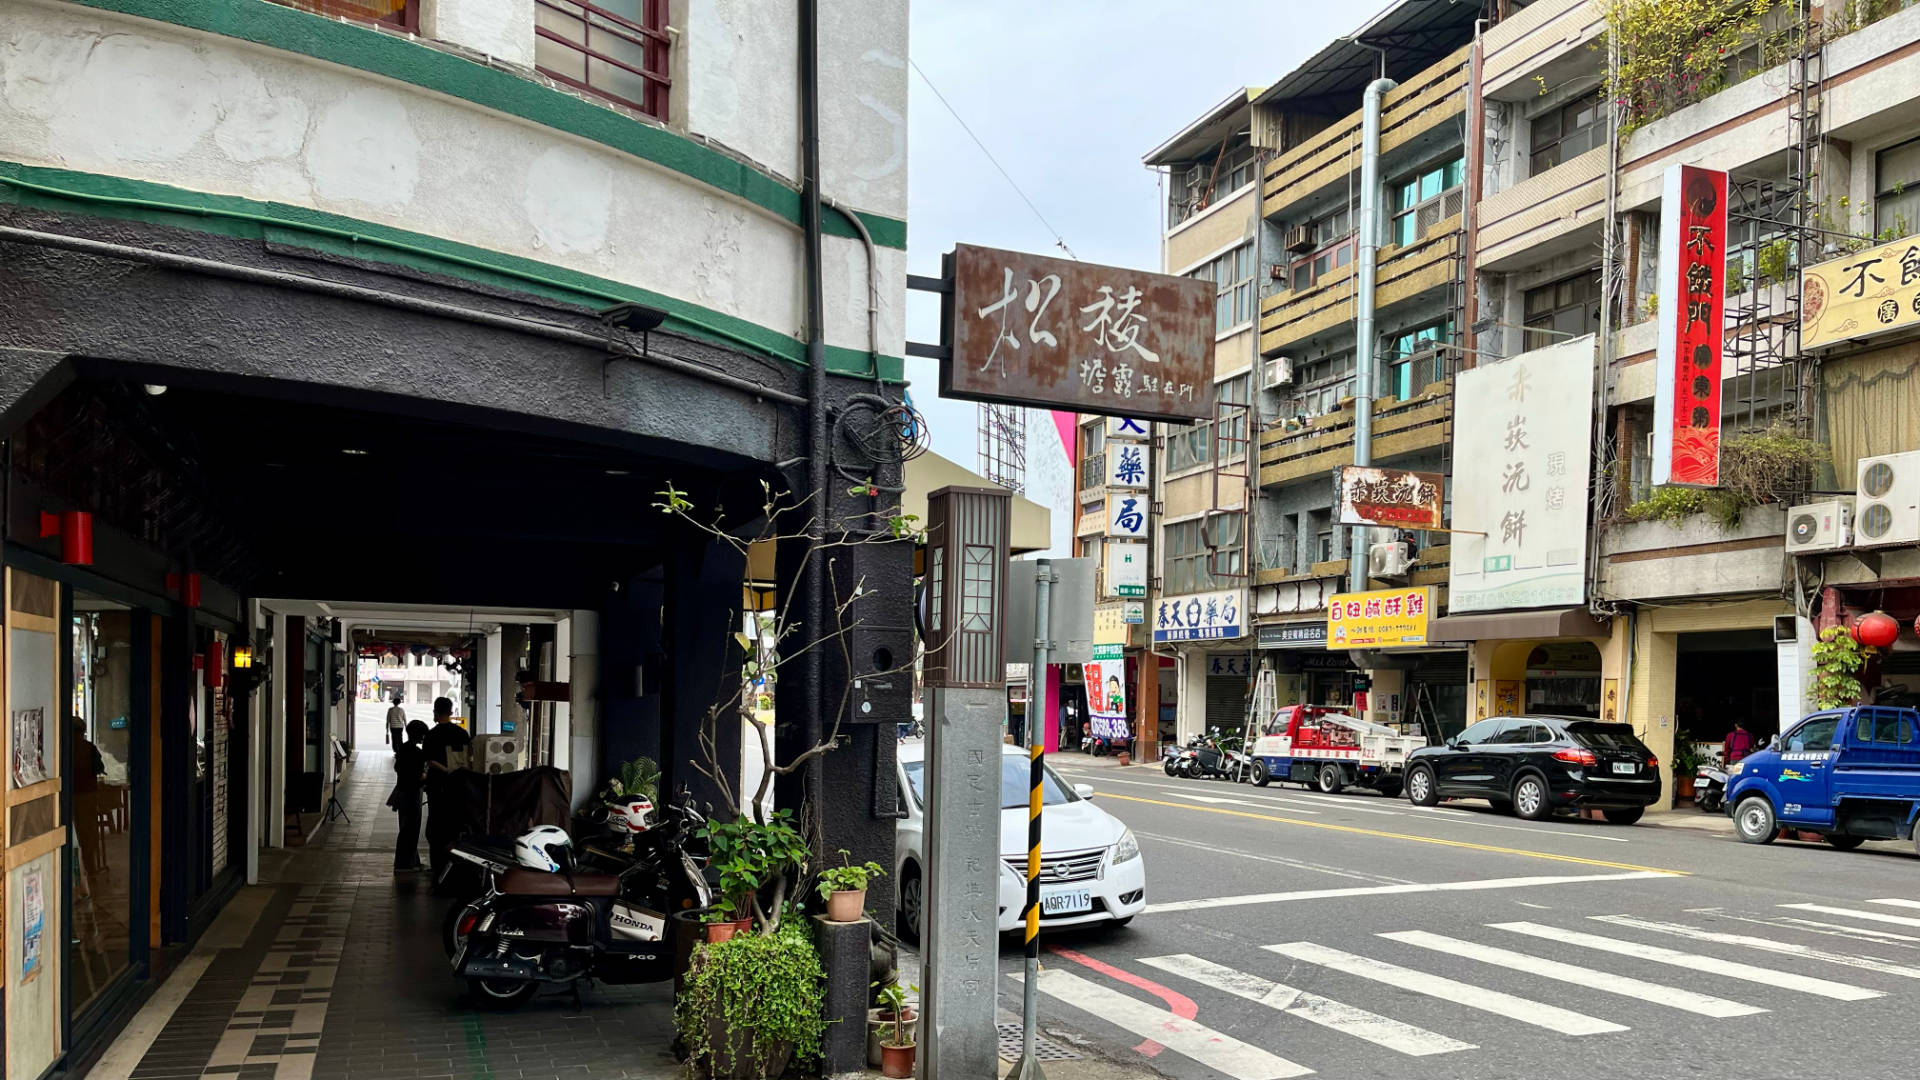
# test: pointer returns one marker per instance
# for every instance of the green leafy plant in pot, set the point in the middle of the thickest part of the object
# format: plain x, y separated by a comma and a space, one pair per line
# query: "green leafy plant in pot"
754, 859
753, 1003
844, 888
897, 1047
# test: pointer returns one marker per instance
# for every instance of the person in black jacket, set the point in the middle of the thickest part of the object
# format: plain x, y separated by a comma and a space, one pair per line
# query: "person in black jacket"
410, 773
444, 821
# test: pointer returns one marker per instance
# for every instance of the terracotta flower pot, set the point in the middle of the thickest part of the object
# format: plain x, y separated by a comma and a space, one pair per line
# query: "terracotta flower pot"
897, 1061
718, 932
847, 905
880, 1029
1124, 758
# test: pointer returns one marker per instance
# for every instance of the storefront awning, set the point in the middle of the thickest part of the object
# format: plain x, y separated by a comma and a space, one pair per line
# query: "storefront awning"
1501, 625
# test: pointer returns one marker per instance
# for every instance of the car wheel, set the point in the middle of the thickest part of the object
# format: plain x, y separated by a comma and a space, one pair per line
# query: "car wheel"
913, 903
1332, 779
502, 993
1421, 790
1530, 799
1258, 776
1844, 843
1624, 817
1753, 820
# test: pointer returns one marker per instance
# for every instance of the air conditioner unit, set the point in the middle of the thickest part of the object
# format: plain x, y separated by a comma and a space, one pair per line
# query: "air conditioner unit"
1276, 372
1387, 560
1300, 239
1887, 504
1821, 526
1196, 176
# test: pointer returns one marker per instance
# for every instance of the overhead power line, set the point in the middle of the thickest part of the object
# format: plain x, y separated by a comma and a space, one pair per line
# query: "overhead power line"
1058, 240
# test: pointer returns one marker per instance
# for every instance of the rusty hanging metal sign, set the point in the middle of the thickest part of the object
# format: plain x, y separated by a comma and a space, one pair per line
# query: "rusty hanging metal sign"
1052, 333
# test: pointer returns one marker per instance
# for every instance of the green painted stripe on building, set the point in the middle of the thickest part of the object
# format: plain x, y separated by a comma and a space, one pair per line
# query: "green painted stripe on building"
397, 57
299, 226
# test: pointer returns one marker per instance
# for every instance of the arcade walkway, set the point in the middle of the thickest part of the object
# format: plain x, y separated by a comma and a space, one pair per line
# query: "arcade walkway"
333, 969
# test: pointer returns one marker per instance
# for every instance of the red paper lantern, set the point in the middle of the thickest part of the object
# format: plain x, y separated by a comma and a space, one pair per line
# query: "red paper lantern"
1877, 629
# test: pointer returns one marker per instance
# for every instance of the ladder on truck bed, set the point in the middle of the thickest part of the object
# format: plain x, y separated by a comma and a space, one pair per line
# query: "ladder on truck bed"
1262, 703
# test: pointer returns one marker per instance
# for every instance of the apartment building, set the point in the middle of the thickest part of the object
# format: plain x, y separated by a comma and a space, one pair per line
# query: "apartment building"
1812, 118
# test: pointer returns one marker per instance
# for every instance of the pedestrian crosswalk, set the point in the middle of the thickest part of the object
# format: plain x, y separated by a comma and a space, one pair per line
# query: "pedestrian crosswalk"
1587, 976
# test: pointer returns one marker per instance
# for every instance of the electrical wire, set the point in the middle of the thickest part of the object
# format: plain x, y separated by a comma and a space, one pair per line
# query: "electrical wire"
1058, 240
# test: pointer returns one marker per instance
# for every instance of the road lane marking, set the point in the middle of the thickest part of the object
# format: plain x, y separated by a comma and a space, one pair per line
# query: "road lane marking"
1695, 962
1278, 860
1277, 800
1400, 836
1893, 901
1359, 1023
1395, 890
1785, 948
1638, 989
1551, 1017
1461, 817
1182, 1005
1221, 802
1815, 926
1189, 1038
1870, 916
1347, 803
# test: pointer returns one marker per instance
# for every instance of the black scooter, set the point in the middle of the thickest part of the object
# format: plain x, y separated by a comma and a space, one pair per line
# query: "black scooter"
528, 928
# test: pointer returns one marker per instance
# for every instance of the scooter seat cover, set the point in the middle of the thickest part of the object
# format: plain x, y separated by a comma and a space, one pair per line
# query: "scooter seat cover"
520, 881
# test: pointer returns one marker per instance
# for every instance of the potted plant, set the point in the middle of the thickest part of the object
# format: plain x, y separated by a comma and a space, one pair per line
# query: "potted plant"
752, 857
844, 888
883, 1017
897, 1051
1686, 765
753, 1003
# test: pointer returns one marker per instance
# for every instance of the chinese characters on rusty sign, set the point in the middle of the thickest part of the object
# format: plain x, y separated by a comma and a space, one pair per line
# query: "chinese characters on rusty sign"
1032, 330
1693, 280
1391, 498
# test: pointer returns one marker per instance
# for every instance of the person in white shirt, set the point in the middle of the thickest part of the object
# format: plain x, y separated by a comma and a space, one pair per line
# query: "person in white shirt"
397, 722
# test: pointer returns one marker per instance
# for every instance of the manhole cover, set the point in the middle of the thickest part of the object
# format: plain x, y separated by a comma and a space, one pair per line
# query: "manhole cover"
1043, 1048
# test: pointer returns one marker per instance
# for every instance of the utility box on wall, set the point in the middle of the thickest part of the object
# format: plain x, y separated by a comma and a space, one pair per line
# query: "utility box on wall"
964, 605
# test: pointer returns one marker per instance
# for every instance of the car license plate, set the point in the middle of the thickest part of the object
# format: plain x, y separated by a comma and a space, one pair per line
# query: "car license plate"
1066, 901
1625, 767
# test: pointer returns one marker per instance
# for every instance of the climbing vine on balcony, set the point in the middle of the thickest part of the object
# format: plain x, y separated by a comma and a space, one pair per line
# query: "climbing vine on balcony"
1672, 53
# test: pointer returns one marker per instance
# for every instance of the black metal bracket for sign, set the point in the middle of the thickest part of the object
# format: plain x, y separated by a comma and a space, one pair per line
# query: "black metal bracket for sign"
635, 319
942, 286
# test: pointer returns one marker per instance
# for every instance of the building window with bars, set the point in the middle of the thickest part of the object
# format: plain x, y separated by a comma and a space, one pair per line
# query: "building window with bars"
615, 49
1333, 249
1896, 205
1194, 566
1426, 199
1567, 308
399, 14
1232, 278
1197, 185
1415, 358
1189, 446
1323, 384
1562, 134
1233, 422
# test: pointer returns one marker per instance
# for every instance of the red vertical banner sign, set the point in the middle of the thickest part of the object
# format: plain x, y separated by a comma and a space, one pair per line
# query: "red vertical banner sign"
1693, 294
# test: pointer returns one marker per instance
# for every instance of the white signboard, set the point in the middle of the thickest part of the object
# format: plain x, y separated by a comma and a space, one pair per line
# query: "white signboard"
1127, 515
1127, 466
1522, 451
1200, 616
1126, 569
1127, 428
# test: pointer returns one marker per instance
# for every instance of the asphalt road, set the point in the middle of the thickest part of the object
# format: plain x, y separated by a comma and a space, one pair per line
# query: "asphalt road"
1291, 933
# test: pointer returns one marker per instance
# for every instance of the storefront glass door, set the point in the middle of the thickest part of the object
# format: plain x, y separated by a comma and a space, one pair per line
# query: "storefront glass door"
103, 725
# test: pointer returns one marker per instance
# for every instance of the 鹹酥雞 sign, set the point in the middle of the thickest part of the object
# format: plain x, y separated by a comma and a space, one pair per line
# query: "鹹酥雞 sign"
1392, 498
1383, 617
1032, 330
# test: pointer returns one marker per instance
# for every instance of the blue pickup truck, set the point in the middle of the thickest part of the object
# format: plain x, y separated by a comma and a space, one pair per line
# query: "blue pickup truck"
1851, 775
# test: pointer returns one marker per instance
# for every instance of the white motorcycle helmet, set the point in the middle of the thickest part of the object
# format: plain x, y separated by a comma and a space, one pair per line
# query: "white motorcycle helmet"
546, 848
632, 815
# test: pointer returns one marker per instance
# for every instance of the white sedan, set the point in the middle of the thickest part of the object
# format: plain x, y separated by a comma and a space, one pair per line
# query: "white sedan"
1090, 865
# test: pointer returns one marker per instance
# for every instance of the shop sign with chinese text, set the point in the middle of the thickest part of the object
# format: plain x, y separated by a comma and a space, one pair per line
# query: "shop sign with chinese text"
1299, 635
1128, 429
1693, 276
1867, 292
1126, 566
1126, 466
1127, 515
1106, 680
1526, 426
1109, 624
1379, 619
1199, 617
1390, 498
1032, 330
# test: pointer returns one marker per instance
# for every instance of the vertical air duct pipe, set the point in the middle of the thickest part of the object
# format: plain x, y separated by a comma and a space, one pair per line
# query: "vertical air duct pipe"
1364, 377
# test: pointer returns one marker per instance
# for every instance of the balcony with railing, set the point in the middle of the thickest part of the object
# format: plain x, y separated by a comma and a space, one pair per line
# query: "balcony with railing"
1403, 273
1315, 448
1417, 106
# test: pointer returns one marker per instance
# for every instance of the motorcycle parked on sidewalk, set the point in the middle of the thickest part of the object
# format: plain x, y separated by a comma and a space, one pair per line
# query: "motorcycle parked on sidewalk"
1215, 757
560, 924
1710, 786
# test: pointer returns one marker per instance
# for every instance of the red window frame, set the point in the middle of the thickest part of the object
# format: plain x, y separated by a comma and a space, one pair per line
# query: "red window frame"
650, 35
406, 17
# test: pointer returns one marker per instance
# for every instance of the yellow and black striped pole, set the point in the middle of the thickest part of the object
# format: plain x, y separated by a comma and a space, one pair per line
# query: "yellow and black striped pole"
1034, 753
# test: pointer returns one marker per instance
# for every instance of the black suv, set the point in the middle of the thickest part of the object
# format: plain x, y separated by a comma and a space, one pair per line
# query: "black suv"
1534, 765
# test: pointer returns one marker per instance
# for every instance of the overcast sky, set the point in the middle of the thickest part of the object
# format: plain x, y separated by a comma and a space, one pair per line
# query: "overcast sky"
1069, 95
